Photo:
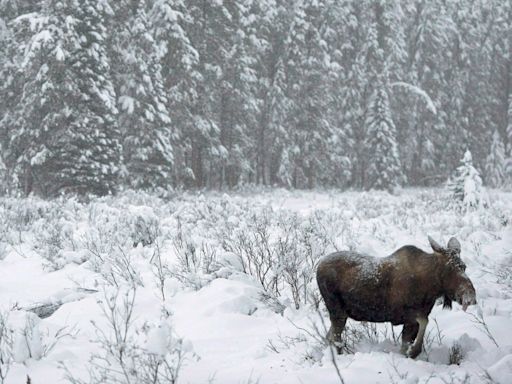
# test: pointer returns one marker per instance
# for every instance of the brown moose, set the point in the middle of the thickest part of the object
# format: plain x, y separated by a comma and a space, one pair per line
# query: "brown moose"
401, 288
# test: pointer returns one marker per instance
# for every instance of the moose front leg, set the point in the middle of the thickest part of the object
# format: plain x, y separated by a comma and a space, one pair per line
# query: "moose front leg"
409, 333
415, 349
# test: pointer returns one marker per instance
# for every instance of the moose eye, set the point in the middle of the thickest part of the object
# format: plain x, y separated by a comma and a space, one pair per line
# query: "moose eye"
461, 266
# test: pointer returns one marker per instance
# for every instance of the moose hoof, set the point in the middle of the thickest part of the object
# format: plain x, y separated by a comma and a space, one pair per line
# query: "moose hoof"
413, 352
404, 349
338, 347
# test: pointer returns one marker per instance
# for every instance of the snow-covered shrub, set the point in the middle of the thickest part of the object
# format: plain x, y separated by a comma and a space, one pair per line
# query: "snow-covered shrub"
28, 340
196, 263
110, 226
19, 215
6, 347
106, 229
145, 354
300, 245
145, 225
503, 272
53, 236
281, 250
117, 267
466, 185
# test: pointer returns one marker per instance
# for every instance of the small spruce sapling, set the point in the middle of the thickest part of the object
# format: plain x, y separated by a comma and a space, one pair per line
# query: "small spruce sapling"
466, 186
495, 162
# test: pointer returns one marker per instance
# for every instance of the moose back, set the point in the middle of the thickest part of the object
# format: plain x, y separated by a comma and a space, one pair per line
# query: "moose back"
401, 288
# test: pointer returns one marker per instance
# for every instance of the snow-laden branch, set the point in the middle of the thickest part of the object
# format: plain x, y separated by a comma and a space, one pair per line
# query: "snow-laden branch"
430, 104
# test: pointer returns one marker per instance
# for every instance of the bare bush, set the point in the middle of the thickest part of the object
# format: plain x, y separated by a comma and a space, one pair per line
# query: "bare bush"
31, 342
255, 254
196, 264
145, 230
6, 345
160, 270
281, 253
53, 237
480, 321
126, 357
117, 267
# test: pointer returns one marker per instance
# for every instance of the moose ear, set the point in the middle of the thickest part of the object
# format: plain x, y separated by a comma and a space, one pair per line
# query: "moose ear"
435, 246
454, 245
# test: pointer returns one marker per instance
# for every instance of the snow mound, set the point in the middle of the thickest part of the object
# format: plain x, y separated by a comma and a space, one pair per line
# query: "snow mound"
501, 372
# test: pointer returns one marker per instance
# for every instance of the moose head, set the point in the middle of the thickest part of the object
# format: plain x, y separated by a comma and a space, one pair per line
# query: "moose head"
456, 284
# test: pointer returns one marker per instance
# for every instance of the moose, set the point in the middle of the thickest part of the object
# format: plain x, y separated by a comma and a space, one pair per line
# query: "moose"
401, 288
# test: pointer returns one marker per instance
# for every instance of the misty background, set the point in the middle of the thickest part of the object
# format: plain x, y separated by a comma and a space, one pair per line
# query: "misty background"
102, 95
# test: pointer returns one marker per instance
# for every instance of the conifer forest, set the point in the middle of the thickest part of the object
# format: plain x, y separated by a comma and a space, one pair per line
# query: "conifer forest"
98, 96
255, 191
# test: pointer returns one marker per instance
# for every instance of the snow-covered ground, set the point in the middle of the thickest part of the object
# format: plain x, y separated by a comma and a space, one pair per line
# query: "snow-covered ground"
222, 287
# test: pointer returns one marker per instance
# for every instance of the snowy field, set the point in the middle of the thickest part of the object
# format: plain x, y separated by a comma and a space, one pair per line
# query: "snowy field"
216, 288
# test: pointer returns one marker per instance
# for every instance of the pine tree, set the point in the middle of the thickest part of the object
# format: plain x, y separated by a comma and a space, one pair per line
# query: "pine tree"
429, 30
14, 36
146, 125
65, 125
508, 163
170, 22
5, 41
384, 171
269, 160
208, 33
268, 92
309, 68
494, 168
380, 55
466, 185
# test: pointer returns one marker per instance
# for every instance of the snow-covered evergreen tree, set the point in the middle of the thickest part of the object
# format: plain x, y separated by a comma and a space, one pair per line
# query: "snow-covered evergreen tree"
309, 70
13, 39
495, 164
240, 106
208, 32
170, 21
466, 185
384, 169
5, 41
508, 162
270, 161
143, 104
266, 92
65, 125
429, 30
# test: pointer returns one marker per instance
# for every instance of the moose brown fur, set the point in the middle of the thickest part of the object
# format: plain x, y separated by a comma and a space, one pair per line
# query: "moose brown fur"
401, 288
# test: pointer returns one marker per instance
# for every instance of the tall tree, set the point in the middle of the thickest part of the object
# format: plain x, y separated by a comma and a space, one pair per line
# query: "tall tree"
11, 88
143, 103
239, 105
430, 32
65, 129
494, 167
171, 22
309, 68
270, 162
384, 171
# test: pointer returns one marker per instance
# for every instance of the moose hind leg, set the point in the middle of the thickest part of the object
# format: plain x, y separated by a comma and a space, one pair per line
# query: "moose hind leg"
338, 318
415, 349
337, 326
409, 333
